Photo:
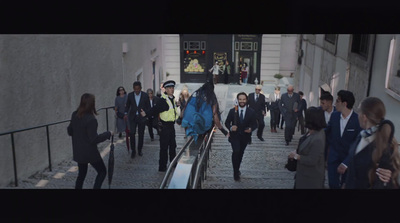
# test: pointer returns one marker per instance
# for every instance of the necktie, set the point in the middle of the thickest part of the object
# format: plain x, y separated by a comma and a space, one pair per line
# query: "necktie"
257, 97
241, 116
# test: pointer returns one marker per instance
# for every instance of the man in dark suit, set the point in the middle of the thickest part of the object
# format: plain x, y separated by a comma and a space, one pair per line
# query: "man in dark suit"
240, 124
326, 102
289, 106
152, 121
301, 112
137, 105
273, 107
342, 130
257, 103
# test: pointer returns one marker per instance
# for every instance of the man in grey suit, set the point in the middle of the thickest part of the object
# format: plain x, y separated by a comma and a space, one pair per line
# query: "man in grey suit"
289, 106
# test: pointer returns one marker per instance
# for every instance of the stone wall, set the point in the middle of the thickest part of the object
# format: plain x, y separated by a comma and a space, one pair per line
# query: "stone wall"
41, 80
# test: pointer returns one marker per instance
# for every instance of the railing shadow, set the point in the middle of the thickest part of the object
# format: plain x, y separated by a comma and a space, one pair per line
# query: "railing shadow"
189, 167
11, 133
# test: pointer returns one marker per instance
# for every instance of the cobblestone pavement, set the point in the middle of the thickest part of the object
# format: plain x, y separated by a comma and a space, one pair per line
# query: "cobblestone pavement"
262, 166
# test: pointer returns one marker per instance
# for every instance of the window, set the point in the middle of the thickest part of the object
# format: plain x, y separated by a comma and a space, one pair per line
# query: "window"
203, 45
194, 45
331, 38
236, 45
247, 46
360, 45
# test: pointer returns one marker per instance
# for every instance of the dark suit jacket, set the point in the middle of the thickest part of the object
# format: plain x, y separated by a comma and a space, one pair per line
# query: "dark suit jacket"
257, 106
155, 101
131, 106
85, 138
287, 105
302, 108
358, 166
248, 121
339, 146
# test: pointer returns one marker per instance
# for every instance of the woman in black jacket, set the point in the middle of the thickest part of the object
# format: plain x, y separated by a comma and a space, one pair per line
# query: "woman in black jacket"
83, 129
374, 160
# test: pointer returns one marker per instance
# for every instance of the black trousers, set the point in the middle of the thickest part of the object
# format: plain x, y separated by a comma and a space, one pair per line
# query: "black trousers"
167, 145
141, 125
238, 146
82, 171
275, 118
290, 122
150, 127
300, 122
261, 125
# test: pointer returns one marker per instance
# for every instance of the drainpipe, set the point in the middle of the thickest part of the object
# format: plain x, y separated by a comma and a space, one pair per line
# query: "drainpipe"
370, 67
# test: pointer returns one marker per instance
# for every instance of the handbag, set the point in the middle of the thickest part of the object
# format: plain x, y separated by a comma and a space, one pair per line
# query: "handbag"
291, 164
120, 115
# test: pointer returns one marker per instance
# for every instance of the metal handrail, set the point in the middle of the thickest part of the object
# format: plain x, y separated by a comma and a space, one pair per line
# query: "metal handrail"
201, 164
11, 133
174, 162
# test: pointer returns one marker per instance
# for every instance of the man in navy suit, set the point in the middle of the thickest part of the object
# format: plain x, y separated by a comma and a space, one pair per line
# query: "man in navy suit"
257, 103
240, 124
138, 104
342, 130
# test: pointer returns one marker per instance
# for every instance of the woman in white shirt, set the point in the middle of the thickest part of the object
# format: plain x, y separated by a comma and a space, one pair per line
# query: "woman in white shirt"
215, 71
374, 157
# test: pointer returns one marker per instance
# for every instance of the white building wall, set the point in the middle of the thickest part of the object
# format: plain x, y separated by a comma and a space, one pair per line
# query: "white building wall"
171, 54
270, 56
288, 56
378, 81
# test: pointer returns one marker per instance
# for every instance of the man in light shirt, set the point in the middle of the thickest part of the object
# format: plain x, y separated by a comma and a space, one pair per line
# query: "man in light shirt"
342, 130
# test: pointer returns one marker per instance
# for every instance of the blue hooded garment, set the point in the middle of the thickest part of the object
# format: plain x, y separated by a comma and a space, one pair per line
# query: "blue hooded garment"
197, 120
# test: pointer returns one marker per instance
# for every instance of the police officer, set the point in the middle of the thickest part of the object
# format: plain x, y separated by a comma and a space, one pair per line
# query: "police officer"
167, 111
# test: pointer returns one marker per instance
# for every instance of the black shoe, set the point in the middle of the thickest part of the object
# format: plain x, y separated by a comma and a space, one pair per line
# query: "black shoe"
236, 177
120, 135
162, 169
133, 154
261, 138
140, 153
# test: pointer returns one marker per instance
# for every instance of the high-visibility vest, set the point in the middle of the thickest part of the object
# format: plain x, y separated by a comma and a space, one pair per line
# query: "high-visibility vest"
171, 114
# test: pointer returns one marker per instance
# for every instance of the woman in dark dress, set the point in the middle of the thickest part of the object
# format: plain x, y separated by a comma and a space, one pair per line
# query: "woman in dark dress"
83, 129
120, 102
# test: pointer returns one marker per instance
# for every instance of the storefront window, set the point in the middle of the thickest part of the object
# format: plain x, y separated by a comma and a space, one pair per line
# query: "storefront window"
194, 62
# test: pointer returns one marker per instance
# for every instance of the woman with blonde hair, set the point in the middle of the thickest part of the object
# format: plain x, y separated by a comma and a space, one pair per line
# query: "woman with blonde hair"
374, 160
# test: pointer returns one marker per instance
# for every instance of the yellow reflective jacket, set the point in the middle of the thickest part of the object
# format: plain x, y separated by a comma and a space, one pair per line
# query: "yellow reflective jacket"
171, 114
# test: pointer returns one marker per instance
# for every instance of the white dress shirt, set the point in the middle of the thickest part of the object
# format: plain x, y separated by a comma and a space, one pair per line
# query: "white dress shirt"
344, 121
364, 142
328, 115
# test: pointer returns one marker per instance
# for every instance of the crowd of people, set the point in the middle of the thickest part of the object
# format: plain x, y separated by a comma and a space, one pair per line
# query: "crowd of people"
356, 147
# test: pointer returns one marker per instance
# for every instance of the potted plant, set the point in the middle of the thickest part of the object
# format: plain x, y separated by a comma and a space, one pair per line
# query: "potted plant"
278, 77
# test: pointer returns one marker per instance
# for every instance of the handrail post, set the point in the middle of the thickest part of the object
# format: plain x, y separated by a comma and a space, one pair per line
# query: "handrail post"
48, 146
14, 160
107, 118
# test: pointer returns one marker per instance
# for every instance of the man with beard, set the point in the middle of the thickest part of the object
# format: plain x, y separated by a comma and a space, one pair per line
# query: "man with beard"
240, 122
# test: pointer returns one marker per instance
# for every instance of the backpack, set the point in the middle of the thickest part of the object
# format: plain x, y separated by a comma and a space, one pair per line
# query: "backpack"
197, 119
